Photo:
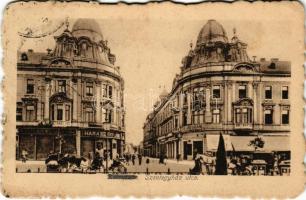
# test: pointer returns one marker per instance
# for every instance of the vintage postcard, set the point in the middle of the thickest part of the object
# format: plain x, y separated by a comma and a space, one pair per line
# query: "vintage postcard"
153, 100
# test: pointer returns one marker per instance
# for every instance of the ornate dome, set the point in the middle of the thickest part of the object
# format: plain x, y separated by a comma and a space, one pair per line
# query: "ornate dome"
212, 31
88, 28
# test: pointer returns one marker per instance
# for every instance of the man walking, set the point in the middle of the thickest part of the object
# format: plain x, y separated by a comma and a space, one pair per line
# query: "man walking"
139, 159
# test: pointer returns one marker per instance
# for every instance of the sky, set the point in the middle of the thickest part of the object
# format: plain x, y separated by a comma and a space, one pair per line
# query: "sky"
149, 53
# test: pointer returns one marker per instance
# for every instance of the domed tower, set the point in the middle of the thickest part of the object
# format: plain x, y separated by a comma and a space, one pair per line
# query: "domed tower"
84, 42
212, 46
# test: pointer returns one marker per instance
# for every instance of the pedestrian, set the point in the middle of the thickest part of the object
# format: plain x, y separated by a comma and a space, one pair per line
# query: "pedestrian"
133, 159
148, 161
24, 155
178, 157
139, 159
197, 169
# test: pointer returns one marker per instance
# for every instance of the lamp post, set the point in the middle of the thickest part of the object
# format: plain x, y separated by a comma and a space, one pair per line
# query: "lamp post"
106, 127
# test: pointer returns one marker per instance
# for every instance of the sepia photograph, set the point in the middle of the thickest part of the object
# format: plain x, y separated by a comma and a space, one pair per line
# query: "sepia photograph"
155, 98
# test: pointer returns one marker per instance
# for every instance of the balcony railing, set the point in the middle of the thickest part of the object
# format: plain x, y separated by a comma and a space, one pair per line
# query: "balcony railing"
243, 126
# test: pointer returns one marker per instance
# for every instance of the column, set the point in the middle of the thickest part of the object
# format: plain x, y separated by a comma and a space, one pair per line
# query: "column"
47, 96
79, 105
259, 107
98, 101
75, 102
229, 102
78, 142
189, 108
181, 109
174, 150
255, 103
208, 116
225, 103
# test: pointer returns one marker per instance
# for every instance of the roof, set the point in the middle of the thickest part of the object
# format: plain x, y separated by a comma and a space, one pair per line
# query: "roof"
30, 57
88, 28
212, 31
275, 66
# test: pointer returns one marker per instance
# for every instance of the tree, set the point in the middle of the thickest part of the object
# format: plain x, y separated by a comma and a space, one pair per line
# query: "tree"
221, 164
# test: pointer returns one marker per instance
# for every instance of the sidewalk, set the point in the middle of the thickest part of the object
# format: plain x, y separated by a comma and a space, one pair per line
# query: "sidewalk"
173, 161
31, 166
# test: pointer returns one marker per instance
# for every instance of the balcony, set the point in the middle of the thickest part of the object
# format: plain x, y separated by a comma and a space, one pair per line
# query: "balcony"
243, 126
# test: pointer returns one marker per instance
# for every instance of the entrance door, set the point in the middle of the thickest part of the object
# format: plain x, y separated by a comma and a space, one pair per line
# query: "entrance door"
187, 150
197, 148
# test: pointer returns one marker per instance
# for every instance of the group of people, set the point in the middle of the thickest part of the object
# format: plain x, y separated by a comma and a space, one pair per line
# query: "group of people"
239, 165
133, 158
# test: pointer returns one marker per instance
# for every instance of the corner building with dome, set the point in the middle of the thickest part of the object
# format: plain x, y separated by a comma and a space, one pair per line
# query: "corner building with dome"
220, 89
70, 98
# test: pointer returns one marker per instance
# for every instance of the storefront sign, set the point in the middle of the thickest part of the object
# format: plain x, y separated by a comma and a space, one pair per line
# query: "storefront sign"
100, 134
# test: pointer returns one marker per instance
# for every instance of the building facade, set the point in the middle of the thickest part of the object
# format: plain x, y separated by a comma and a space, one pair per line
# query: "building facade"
70, 99
221, 90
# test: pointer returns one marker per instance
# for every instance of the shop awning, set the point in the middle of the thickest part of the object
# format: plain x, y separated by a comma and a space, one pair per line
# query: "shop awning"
272, 143
212, 142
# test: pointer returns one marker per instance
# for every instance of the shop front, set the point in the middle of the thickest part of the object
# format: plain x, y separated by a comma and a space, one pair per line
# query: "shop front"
37, 143
110, 142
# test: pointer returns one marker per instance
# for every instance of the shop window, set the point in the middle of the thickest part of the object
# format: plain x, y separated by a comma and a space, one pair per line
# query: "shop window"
285, 117
30, 113
30, 86
67, 112
285, 92
268, 116
89, 89
19, 111
44, 145
216, 91
268, 92
216, 116
26, 145
242, 91
62, 86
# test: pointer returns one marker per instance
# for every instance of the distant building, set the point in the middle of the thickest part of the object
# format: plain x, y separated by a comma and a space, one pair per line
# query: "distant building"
221, 90
70, 99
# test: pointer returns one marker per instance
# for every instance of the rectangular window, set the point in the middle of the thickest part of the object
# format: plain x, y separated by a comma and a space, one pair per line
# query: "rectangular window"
52, 112
89, 115
268, 92
104, 88
242, 91
110, 92
19, 111
89, 89
216, 116
62, 86
30, 113
67, 112
30, 86
185, 98
216, 91
42, 111
285, 92
268, 116
59, 110
184, 118
285, 117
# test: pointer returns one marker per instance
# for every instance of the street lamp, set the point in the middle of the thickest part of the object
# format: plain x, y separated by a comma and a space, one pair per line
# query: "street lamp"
106, 127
